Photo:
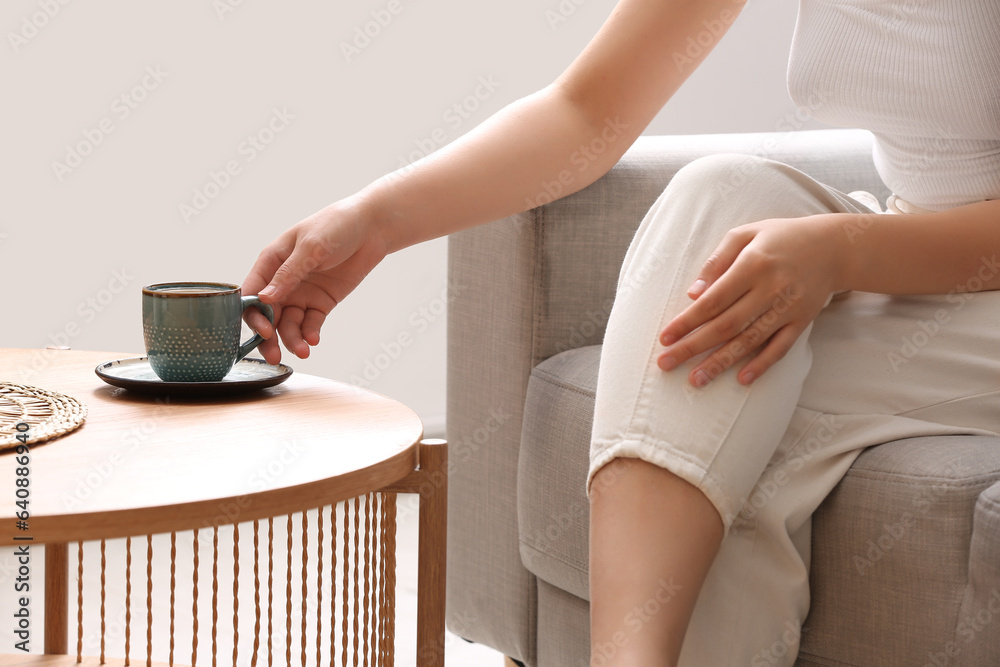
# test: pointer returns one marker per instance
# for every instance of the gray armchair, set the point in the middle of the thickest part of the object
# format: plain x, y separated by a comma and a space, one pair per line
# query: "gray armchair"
906, 551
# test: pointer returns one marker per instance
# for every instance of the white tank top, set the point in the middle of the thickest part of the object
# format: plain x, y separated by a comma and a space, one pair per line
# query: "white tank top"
922, 75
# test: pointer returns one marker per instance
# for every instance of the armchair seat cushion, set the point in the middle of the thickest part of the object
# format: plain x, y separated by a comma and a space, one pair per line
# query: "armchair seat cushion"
914, 510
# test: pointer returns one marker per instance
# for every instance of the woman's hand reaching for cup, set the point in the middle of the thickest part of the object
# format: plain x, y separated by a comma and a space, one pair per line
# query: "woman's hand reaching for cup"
307, 271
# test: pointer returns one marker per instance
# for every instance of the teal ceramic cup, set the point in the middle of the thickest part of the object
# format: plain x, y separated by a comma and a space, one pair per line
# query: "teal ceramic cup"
192, 329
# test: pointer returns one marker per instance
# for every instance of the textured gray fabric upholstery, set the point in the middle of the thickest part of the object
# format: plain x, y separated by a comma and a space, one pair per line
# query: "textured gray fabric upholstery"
553, 509
563, 627
541, 283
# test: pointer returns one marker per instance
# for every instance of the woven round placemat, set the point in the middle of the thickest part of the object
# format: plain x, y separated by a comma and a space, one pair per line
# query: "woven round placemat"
48, 414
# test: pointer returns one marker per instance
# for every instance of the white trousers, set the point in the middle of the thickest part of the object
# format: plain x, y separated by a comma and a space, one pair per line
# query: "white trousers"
870, 369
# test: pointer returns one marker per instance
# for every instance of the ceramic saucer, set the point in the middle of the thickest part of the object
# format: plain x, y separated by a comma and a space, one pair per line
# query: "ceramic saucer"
137, 375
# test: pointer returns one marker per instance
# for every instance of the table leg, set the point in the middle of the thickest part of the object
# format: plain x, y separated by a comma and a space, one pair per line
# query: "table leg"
432, 550
430, 481
56, 598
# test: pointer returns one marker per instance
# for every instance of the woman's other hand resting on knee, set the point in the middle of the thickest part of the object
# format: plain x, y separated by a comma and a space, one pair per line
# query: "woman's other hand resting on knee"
757, 292
768, 280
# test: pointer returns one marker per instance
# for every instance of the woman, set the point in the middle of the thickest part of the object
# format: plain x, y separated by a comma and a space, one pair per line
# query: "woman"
753, 342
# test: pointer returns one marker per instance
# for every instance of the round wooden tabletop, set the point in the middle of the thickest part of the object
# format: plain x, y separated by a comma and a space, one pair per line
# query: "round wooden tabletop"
145, 465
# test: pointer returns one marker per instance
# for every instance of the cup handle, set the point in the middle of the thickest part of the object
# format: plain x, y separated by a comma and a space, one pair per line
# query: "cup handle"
250, 345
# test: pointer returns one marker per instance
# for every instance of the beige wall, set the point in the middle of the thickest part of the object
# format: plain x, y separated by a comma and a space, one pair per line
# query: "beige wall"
157, 99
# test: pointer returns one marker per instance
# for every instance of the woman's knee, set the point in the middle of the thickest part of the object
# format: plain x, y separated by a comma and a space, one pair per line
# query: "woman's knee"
735, 181
714, 176
716, 193
698, 205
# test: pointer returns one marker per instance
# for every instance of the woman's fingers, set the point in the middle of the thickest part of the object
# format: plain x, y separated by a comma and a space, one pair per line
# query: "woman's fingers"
312, 324
713, 302
285, 279
271, 351
720, 260
752, 323
290, 330
777, 347
260, 324
770, 335
726, 327
289, 261
777, 339
269, 261
256, 320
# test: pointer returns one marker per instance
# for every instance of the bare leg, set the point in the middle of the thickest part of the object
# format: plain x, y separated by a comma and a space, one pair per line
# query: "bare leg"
653, 537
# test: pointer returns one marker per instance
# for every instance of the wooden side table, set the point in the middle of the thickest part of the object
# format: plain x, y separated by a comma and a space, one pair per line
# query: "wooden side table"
143, 466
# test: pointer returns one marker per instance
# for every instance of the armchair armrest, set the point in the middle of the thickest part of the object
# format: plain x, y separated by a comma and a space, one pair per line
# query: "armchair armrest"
981, 605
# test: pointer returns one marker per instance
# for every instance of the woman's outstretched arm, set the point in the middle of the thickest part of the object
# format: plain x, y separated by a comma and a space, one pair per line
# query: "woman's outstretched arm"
544, 146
